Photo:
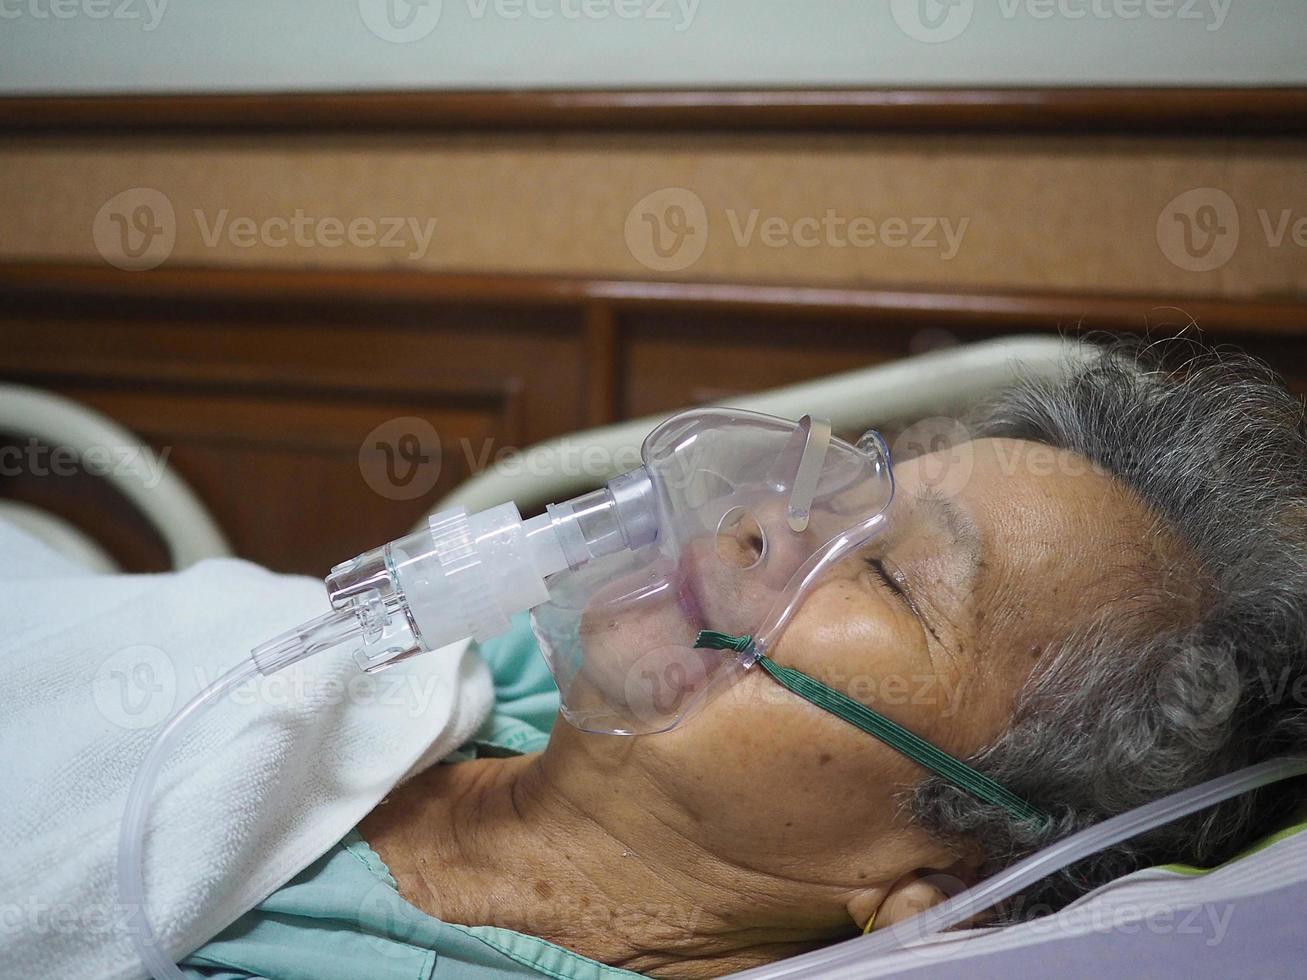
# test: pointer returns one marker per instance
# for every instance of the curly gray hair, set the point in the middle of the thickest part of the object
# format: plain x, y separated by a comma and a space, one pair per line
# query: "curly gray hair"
1183, 684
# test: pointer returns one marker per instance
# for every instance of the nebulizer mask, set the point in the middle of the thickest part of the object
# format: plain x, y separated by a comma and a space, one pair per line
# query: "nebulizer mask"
732, 517
648, 596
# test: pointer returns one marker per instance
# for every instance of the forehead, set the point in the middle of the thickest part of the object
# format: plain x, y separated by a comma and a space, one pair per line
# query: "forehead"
1056, 535
988, 480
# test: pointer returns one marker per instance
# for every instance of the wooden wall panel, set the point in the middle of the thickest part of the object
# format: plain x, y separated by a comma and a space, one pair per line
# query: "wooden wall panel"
537, 310
671, 361
1184, 111
281, 472
1047, 213
264, 408
265, 389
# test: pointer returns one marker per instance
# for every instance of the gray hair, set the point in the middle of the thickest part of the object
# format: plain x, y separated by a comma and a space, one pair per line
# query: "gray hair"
1178, 685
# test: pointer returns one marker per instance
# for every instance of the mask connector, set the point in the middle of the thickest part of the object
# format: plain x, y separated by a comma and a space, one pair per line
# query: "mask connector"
362, 620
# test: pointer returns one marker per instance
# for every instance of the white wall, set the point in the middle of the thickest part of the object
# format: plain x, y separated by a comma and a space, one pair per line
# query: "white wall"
240, 45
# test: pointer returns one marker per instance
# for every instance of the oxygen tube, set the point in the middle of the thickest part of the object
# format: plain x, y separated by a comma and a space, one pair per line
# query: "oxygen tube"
843, 960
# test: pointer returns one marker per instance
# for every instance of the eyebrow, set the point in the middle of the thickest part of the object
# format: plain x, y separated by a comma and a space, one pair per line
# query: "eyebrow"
962, 530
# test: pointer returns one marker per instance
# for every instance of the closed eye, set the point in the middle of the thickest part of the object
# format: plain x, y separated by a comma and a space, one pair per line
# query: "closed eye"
894, 583
878, 566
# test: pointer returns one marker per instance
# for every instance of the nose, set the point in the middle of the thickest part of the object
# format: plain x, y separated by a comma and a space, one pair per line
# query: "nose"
752, 555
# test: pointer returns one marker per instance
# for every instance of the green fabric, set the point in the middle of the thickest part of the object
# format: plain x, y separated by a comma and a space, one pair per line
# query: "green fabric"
342, 917
1265, 842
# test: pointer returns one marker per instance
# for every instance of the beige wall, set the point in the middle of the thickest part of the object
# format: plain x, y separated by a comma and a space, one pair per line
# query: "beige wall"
1067, 214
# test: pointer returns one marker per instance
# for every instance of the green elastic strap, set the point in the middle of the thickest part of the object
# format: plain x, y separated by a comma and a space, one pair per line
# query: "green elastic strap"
891, 733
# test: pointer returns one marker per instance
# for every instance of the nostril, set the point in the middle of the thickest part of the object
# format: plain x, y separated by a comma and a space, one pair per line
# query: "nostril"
741, 541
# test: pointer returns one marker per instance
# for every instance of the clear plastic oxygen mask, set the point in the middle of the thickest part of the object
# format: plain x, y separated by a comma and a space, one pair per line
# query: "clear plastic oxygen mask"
731, 519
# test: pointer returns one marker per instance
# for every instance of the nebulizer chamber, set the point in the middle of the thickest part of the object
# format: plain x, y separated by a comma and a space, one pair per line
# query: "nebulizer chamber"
465, 575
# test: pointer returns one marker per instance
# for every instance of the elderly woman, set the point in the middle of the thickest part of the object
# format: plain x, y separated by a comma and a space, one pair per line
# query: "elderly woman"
1084, 601
1086, 612
1090, 617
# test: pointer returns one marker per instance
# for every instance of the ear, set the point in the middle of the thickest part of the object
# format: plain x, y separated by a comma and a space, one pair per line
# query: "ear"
914, 892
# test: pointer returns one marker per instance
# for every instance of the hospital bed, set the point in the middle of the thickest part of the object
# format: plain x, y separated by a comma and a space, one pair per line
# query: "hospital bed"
1243, 917
163, 498
929, 384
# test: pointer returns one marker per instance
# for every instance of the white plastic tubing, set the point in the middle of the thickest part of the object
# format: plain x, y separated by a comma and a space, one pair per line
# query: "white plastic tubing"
131, 836
843, 960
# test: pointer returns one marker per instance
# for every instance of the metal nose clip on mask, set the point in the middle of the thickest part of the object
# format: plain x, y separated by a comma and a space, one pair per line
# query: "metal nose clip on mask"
730, 521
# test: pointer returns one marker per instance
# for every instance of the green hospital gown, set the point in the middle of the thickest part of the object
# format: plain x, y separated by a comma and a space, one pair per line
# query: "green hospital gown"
342, 917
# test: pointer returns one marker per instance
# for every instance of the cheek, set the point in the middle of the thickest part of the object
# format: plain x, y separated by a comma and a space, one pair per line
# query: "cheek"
847, 636
761, 765
761, 769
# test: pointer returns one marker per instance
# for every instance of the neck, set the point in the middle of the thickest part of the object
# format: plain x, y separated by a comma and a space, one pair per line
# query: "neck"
503, 842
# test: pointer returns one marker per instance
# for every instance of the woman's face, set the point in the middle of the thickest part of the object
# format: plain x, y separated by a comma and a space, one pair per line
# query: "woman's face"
990, 551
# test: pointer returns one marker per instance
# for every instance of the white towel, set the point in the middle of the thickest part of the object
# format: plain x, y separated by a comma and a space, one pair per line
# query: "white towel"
268, 780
